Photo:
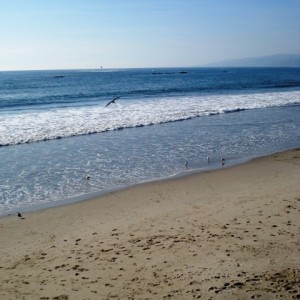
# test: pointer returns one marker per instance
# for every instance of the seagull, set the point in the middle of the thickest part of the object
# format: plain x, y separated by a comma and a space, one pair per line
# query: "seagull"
186, 164
223, 161
112, 101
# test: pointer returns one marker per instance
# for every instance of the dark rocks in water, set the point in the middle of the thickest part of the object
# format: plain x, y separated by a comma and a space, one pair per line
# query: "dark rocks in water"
168, 73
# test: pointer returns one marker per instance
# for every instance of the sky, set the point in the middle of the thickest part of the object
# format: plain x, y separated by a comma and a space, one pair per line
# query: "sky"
85, 34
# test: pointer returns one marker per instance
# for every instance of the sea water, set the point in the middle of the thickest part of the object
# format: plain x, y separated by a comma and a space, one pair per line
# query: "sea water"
59, 142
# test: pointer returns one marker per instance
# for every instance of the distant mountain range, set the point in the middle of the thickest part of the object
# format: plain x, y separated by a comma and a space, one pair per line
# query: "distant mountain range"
277, 60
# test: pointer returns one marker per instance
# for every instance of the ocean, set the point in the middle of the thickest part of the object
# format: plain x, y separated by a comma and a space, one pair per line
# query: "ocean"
59, 142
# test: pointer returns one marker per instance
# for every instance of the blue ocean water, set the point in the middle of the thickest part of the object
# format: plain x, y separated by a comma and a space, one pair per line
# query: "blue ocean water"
55, 128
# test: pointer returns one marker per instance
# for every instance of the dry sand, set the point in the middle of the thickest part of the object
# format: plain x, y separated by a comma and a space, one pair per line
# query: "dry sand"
226, 234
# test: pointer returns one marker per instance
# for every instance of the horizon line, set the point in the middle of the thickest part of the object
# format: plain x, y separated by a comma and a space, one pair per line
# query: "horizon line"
152, 68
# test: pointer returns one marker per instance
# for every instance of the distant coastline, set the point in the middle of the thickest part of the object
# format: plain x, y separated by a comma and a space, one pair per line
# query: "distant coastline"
271, 61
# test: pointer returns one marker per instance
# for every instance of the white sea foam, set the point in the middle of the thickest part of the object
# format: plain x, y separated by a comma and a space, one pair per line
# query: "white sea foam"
54, 123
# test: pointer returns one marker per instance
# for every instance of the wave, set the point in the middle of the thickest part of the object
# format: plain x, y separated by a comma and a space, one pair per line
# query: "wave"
228, 111
286, 85
63, 98
60, 122
114, 128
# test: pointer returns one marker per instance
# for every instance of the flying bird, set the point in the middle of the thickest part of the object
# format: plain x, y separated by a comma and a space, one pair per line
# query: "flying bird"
112, 101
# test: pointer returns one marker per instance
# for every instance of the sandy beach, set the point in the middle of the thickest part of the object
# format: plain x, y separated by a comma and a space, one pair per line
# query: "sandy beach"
231, 233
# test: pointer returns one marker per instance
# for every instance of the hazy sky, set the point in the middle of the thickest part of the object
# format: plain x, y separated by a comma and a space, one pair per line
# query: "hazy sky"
70, 34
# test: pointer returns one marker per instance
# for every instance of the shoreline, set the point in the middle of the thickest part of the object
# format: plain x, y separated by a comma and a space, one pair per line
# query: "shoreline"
221, 234
90, 196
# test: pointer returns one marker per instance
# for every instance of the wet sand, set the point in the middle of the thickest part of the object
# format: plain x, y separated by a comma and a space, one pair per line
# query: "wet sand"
232, 233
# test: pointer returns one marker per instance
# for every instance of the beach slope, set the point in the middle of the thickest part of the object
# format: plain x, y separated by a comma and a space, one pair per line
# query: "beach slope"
231, 233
